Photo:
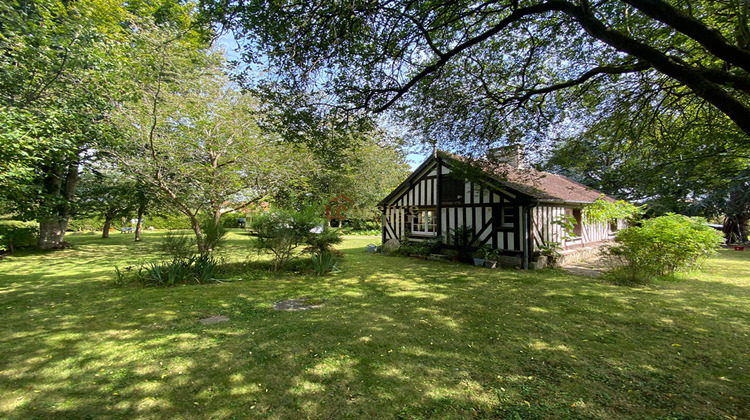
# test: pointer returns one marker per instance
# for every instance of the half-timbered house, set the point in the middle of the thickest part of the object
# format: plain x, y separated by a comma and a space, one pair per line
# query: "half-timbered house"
509, 207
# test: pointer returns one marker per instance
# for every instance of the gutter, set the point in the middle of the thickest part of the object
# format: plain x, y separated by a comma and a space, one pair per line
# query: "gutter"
525, 219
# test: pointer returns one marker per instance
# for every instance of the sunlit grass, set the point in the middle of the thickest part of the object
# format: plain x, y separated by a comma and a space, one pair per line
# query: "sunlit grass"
396, 337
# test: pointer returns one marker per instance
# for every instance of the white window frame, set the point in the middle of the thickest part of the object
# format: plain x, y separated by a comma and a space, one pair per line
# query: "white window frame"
424, 223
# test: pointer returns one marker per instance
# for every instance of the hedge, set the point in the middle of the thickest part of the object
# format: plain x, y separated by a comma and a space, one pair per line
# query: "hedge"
16, 234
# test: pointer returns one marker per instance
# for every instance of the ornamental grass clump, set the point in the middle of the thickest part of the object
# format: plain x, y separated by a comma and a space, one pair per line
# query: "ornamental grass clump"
661, 247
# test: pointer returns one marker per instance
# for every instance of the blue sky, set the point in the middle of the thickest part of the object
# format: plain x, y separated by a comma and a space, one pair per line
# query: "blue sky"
228, 43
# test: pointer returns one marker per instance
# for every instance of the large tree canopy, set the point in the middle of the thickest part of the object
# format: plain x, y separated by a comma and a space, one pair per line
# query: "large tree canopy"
472, 70
63, 66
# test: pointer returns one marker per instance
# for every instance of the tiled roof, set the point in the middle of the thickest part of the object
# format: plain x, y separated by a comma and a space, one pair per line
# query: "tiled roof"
540, 185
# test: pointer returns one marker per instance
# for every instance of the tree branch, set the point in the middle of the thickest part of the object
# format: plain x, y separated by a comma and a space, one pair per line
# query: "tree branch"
710, 38
517, 15
689, 76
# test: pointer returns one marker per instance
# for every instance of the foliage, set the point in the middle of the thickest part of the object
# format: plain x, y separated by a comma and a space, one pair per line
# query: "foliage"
58, 76
489, 253
371, 165
602, 211
567, 223
439, 61
423, 248
107, 192
178, 244
281, 232
551, 250
168, 221
231, 220
182, 134
324, 263
462, 238
323, 242
65, 65
193, 269
346, 230
15, 234
662, 247
730, 202
214, 233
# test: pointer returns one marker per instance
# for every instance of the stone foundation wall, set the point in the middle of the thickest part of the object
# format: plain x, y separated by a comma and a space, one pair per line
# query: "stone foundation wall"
572, 256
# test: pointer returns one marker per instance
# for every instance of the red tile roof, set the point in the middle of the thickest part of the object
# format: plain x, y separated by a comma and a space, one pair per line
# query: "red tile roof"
540, 185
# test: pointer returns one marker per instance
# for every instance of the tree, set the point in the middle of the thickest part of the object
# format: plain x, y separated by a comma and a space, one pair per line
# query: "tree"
192, 136
57, 69
472, 70
64, 64
364, 171
108, 193
694, 156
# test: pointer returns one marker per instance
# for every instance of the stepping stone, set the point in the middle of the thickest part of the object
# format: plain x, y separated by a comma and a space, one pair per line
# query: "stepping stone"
213, 319
301, 304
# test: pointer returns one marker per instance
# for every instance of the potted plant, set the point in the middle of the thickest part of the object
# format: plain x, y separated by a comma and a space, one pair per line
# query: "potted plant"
483, 254
462, 239
491, 256
550, 251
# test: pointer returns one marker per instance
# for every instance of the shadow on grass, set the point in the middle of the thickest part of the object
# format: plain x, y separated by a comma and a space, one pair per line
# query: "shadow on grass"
396, 338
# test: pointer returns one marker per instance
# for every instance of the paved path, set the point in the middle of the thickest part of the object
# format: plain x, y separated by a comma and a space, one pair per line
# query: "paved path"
591, 268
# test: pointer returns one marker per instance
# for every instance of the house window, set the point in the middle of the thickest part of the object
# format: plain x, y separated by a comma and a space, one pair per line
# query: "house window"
424, 222
451, 189
577, 225
613, 225
504, 216
508, 216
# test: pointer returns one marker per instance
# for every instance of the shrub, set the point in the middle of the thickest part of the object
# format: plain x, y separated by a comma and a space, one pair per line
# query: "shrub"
281, 232
16, 234
231, 220
214, 234
662, 247
324, 263
78, 224
168, 221
179, 245
323, 242
179, 270
462, 239
425, 247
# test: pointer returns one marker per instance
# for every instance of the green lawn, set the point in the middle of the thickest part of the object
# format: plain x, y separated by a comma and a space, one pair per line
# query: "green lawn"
397, 337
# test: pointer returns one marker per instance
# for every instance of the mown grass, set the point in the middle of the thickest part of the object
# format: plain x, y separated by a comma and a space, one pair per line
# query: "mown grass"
396, 338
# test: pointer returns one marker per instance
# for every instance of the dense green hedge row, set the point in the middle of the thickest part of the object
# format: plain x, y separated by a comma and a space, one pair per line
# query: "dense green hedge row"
170, 221
16, 234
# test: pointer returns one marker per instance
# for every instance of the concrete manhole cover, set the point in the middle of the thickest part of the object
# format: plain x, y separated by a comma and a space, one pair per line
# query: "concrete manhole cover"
299, 304
213, 319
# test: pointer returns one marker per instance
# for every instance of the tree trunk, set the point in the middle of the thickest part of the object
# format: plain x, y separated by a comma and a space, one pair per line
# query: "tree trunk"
59, 185
51, 233
139, 225
195, 223
107, 223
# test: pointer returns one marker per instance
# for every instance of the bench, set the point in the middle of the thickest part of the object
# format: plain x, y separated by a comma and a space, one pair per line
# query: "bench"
127, 229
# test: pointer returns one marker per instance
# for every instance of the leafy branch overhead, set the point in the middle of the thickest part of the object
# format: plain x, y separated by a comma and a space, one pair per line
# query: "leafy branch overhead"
480, 67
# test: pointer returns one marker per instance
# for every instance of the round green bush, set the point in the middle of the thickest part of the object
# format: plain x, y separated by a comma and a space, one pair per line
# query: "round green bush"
663, 246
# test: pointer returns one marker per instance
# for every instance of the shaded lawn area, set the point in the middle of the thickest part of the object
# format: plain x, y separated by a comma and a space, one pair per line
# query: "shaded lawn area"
396, 337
